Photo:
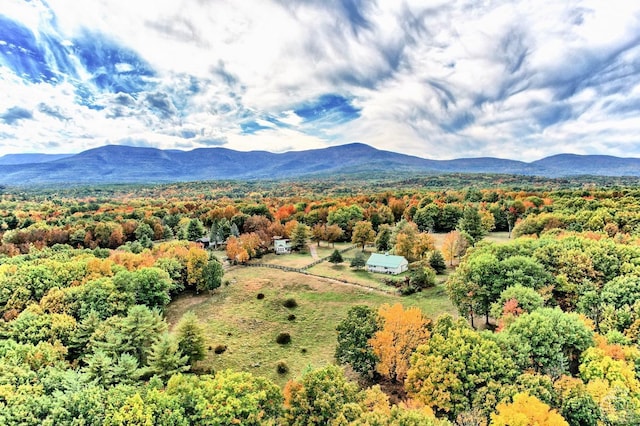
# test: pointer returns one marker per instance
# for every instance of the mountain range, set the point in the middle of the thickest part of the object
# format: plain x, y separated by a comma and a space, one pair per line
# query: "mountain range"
126, 164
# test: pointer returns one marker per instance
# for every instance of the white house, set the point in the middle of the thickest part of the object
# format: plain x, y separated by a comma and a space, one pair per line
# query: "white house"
387, 264
282, 246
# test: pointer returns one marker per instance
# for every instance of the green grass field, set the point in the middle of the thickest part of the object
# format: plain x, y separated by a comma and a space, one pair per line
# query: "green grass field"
233, 316
248, 327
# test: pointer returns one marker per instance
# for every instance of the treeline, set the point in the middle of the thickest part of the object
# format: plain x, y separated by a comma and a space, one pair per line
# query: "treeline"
84, 283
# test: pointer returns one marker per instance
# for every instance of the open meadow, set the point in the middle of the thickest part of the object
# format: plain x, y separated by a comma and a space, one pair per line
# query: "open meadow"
234, 317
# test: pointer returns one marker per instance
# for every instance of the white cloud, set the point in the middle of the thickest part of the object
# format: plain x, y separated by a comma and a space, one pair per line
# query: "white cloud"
439, 79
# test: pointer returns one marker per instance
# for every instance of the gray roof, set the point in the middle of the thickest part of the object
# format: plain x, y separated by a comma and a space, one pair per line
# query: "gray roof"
386, 260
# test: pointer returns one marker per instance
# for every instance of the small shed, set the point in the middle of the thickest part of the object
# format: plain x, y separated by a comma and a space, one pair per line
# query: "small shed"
387, 264
282, 246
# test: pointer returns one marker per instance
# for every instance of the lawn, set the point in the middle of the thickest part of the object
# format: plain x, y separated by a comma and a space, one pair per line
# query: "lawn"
326, 249
293, 260
492, 237
343, 272
235, 317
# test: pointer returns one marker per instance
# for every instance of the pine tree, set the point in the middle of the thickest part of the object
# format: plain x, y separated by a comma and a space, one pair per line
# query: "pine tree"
140, 329
99, 368
335, 257
195, 230
165, 358
436, 261
190, 337
125, 370
214, 234
358, 261
234, 231
471, 223
79, 344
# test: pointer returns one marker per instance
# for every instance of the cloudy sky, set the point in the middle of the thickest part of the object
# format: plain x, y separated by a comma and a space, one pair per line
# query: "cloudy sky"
437, 79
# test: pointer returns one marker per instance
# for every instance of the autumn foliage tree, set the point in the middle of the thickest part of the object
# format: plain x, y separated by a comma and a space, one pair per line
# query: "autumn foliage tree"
401, 333
456, 372
453, 246
363, 233
526, 410
319, 398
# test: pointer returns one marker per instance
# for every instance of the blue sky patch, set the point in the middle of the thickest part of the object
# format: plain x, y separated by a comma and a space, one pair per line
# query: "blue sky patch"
335, 108
114, 68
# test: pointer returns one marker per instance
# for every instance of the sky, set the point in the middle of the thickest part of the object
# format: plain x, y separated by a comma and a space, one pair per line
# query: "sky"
438, 79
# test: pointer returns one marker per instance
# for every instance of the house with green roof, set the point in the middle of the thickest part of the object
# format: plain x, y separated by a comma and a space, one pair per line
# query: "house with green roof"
387, 264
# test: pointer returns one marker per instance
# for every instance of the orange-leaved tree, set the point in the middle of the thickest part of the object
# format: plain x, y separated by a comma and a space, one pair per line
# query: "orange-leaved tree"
401, 333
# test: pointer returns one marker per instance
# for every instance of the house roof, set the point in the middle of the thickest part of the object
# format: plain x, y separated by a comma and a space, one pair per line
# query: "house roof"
386, 260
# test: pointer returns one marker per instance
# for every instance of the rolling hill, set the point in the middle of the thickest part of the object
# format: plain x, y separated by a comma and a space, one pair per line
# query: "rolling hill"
125, 164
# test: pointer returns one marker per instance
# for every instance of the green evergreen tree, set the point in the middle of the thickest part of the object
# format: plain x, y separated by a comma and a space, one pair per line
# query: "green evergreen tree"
99, 368
195, 230
190, 337
471, 223
126, 370
436, 261
214, 234
358, 261
335, 257
79, 344
233, 230
165, 358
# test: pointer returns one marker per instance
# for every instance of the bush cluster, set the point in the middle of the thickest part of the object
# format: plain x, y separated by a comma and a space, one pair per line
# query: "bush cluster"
283, 339
282, 367
290, 303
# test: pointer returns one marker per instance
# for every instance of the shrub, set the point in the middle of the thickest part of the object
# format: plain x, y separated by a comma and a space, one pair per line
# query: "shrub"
290, 303
407, 290
291, 317
303, 350
436, 261
220, 349
422, 278
283, 339
394, 282
282, 367
260, 296
358, 261
335, 257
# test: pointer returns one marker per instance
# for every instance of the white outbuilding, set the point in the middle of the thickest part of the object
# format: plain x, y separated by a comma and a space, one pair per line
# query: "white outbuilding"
387, 264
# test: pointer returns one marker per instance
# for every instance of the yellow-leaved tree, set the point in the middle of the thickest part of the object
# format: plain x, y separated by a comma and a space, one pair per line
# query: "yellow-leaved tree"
401, 333
526, 410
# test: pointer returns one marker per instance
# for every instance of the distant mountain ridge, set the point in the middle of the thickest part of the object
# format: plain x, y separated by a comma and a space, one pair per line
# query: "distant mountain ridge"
11, 159
126, 164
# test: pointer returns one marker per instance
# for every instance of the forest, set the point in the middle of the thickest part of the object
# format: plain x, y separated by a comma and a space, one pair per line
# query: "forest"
165, 304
